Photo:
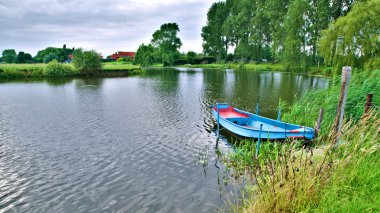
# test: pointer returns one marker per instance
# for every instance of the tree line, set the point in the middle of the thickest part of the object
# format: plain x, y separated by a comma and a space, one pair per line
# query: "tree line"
294, 32
43, 56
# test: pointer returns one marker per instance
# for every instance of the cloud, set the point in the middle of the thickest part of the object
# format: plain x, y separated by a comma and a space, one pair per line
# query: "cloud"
32, 25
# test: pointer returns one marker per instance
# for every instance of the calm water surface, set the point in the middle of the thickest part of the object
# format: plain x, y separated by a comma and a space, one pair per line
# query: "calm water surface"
135, 144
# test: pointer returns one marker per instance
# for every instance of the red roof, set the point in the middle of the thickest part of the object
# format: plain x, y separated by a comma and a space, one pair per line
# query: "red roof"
122, 54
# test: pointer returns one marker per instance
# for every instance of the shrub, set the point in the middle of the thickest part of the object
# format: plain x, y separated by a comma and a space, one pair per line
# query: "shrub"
87, 61
56, 69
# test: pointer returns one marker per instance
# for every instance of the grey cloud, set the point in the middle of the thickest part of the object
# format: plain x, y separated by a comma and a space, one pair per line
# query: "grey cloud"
30, 25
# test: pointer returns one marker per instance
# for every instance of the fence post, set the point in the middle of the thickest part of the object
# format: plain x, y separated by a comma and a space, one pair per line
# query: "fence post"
258, 141
217, 121
257, 105
319, 121
368, 103
346, 76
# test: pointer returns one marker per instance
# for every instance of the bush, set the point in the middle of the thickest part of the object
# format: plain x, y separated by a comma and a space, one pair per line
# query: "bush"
120, 60
87, 62
56, 69
50, 57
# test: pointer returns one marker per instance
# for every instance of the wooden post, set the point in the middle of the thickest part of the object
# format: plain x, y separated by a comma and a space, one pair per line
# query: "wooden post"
279, 114
217, 121
319, 121
346, 76
258, 141
368, 103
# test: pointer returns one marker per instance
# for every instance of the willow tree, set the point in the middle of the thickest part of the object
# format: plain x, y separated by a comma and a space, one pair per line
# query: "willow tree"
354, 39
296, 30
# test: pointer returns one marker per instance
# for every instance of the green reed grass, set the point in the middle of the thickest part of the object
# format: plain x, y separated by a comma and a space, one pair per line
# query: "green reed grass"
289, 177
306, 110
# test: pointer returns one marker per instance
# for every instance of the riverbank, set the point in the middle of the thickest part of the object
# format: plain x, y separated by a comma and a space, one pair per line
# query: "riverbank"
16, 71
326, 178
323, 70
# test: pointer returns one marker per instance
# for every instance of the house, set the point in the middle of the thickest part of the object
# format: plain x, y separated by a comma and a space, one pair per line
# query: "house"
120, 54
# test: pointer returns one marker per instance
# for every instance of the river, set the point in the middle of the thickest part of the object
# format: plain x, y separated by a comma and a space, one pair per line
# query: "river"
134, 144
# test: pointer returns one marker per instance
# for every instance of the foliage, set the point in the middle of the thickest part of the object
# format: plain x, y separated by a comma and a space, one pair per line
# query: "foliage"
87, 62
23, 57
9, 55
305, 111
50, 57
167, 43
190, 56
56, 69
145, 55
289, 178
295, 30
275, 30
214, 43
60, 54
354, 39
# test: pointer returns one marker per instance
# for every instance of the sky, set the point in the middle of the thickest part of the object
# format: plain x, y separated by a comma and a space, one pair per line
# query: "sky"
105, 26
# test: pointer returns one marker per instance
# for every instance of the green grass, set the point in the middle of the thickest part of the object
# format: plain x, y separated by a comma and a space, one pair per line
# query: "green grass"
18, 71
258, 67
22, 67
306, 110
321, 178
119, 66
288, 178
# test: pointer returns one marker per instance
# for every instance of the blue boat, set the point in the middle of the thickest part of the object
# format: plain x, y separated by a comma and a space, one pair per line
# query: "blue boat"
248, 125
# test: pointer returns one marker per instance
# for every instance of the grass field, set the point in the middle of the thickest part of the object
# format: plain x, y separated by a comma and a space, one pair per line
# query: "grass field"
117, 66
17, 71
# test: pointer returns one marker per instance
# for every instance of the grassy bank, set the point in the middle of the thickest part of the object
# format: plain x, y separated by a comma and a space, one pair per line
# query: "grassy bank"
287, 177
305, 111
16, 71
258, 67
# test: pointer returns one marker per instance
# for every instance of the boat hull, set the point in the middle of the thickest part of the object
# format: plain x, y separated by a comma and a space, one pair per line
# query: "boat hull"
248, 125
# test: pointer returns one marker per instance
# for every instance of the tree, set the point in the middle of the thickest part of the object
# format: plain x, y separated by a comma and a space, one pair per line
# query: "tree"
319, 14
145, 55
295, 40
214, 41
354, 39
9, 55
190, 56
87, 61
166, 41
277, 12
50, 57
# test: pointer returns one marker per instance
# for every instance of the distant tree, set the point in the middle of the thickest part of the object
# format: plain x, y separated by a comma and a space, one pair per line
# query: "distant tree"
128, 59
60, 53
354, 39
87, 61
166, 41
190, 56
23, 57
9, 55
145, 55
50, 57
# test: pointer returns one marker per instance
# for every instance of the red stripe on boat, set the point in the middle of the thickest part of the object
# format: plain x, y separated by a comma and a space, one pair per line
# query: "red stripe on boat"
230, 112
297, 131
